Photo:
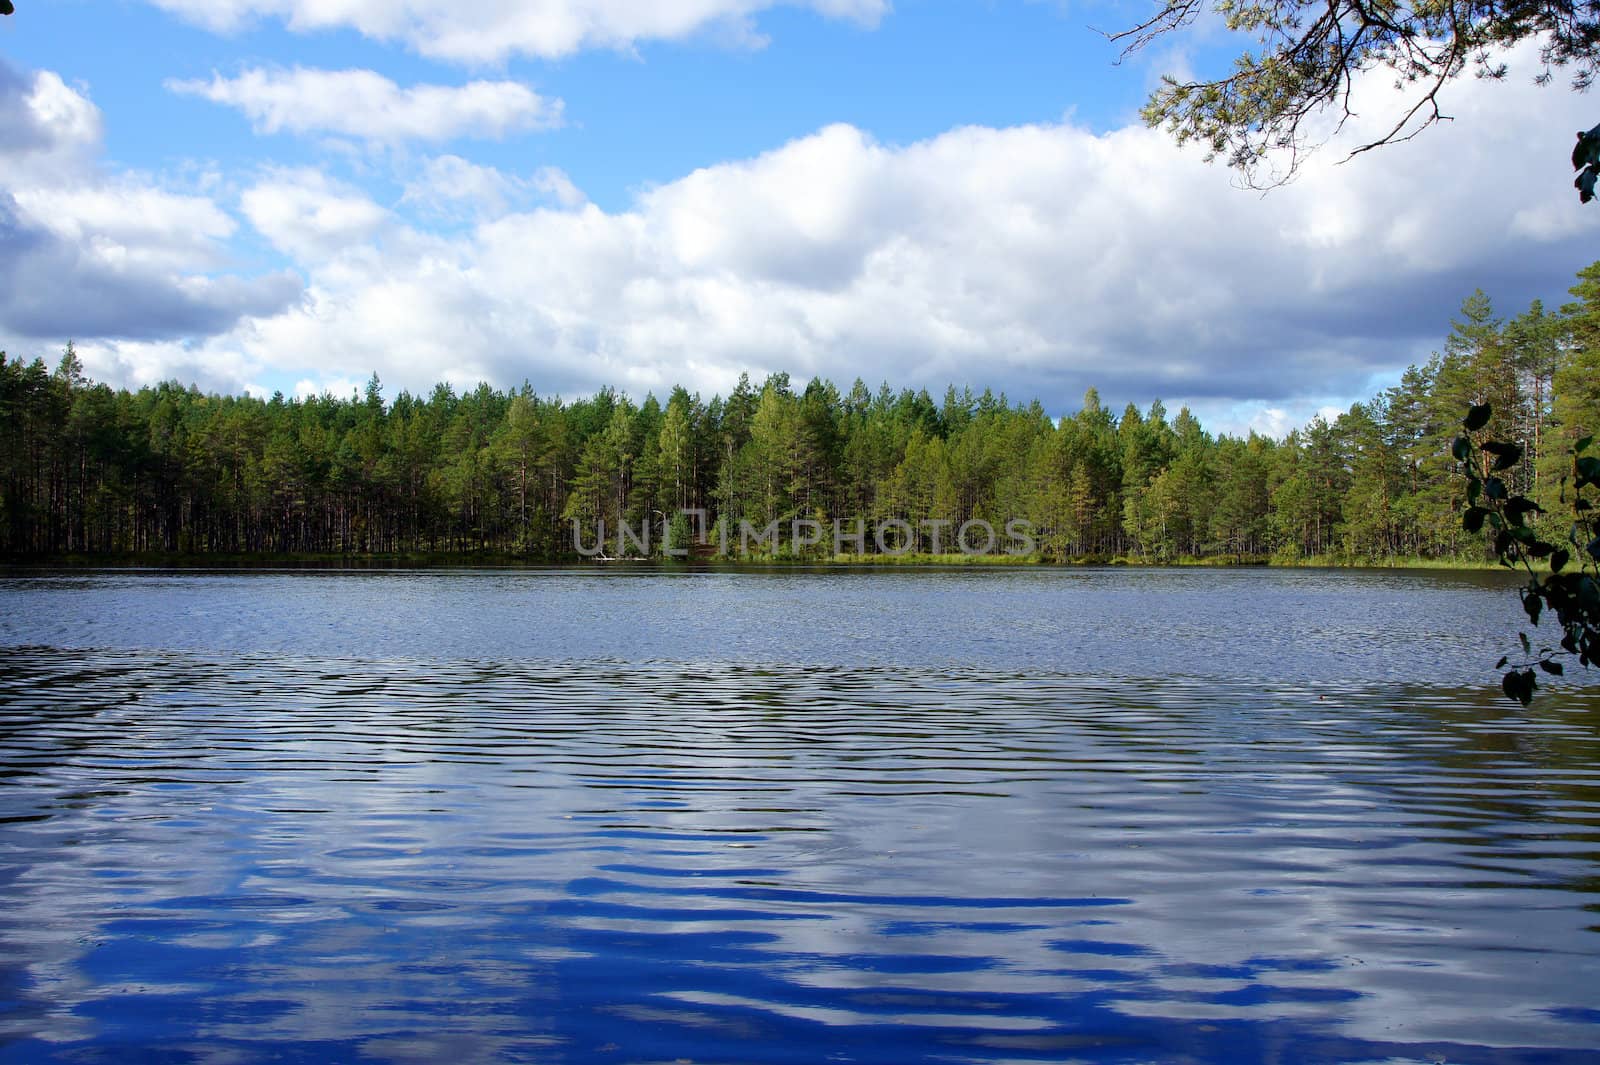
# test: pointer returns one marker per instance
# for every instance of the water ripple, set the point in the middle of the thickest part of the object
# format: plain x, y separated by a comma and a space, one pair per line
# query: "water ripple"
219, 856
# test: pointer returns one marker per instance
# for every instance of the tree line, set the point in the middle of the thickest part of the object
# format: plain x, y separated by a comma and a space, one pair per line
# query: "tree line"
86, 469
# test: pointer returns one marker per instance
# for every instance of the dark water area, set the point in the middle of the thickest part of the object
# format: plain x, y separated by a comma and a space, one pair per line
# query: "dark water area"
928, 816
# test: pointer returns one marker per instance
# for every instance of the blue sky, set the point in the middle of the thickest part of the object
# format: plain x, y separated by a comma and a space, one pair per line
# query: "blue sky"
581, 194
647, 114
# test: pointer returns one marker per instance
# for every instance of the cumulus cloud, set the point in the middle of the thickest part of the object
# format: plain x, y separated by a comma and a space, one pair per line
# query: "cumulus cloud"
309, 216
1038, 259
368, 106
90, 254
449, 186
128, 223
209, 366
480, 31
43, 114
340, 388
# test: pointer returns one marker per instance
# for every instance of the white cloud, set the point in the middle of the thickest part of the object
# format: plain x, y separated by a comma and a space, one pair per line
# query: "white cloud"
89, 253
1271, 420
47, 128
554, 182
124, 222
368, 106
449, 186
480, 31
1039, 260
307, 215
68, 114
135, 363
338, 387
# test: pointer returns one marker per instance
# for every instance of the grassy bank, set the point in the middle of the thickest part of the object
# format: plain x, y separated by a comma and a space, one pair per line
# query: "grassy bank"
1185, 561
922, 558
285, 560
1397, 562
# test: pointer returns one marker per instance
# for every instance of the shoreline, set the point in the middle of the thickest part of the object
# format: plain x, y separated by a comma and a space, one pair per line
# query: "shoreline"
498, 560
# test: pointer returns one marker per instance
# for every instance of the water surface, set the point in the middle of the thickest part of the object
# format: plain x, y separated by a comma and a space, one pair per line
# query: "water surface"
569, 816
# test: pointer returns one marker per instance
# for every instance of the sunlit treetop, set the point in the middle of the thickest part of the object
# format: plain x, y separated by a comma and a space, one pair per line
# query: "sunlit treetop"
1309, 53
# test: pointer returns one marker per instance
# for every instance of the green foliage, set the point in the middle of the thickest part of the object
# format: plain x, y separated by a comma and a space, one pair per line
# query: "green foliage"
680, 534
87, 470
1569, 592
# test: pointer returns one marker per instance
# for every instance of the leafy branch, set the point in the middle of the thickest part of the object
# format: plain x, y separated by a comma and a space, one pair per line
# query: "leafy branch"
1570, 590
1585, 160
1261, 117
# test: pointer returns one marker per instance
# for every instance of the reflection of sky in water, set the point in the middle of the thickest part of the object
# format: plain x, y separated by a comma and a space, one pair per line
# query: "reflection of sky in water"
204, 853
1316, 626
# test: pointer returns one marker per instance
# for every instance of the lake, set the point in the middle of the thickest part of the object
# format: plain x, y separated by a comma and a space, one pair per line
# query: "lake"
634, 815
